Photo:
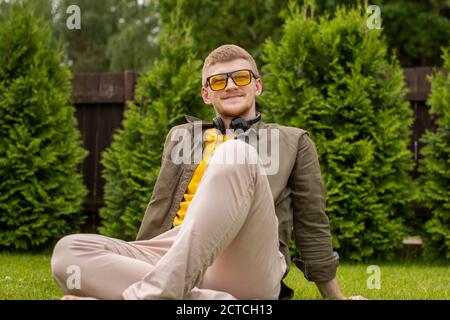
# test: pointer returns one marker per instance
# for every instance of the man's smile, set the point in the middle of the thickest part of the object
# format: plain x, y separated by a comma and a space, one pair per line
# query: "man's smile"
232, 97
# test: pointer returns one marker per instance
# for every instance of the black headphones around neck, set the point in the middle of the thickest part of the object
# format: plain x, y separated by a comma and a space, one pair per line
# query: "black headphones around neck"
236, 123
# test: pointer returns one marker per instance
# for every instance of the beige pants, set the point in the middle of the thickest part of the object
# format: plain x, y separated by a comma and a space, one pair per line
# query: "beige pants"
227, 247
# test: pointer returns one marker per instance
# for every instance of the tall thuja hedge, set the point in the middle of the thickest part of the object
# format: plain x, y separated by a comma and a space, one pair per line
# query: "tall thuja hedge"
435, 165
164, 95
333, 78
41, 190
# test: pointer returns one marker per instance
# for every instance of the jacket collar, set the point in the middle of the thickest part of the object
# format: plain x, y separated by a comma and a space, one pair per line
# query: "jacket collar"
206, 124
253, 131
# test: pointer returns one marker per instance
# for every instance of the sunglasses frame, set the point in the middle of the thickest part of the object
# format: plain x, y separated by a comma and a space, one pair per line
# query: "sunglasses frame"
229, 75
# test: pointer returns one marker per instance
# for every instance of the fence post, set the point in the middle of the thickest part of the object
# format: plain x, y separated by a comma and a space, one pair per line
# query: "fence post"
129, 82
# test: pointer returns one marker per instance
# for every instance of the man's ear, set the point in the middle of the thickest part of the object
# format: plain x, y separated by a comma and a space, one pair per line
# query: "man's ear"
259, 86
205, 96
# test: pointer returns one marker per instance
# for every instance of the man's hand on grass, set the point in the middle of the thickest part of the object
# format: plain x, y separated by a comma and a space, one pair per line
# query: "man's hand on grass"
331, 290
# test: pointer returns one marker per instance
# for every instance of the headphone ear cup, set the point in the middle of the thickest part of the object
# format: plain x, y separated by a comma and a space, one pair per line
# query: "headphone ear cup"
239, 123
218, 123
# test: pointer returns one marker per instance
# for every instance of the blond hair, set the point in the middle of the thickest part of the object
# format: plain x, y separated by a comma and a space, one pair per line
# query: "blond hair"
225, 53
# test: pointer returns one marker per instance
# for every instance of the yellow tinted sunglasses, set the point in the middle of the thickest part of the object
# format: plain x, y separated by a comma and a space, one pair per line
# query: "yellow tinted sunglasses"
240, 78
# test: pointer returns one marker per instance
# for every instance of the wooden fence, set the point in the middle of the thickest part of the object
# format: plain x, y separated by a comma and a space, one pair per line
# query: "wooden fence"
100, 100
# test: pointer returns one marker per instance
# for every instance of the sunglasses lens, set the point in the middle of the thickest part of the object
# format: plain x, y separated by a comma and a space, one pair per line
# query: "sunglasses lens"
242, 78
218, 82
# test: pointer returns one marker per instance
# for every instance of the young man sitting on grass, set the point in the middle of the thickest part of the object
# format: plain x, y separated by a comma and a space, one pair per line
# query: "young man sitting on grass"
217, 227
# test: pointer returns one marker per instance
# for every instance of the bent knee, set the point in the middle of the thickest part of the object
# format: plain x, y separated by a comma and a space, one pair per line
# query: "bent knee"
70, 250
235, 152
65, 244
61, 255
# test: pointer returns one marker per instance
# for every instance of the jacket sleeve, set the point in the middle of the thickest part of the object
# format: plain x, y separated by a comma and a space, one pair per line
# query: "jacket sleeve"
312, 233
159, 202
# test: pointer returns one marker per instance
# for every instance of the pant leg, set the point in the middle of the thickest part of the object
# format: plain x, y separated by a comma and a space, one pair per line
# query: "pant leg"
229, 239
106, 266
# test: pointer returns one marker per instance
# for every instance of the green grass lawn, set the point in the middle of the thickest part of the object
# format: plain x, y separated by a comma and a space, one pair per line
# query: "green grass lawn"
400, 281
27, 276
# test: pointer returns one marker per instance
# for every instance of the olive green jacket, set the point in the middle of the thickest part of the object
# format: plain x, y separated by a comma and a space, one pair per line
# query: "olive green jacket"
297, 190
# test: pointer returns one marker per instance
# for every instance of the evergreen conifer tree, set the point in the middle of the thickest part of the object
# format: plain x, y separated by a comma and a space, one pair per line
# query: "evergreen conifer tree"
41, 189
435, 165
333, 78
164, 95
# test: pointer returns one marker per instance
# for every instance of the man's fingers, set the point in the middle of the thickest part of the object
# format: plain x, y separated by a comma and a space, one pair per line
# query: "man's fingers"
70, 297
357, 298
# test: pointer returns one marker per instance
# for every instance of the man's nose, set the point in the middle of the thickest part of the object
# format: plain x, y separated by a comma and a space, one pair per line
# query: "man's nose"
230, 84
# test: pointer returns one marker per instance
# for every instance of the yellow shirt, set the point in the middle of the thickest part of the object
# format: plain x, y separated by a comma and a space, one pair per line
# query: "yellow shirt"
212, 141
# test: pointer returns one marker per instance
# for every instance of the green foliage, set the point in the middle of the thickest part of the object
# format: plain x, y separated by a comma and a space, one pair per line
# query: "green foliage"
167, 92
417, 29
332, 77
86, 48
244, 23
134, 45
115, 35
41, 190
435, 165
119, 35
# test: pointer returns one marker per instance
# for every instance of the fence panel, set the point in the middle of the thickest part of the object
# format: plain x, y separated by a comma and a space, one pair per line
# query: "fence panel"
100, 101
